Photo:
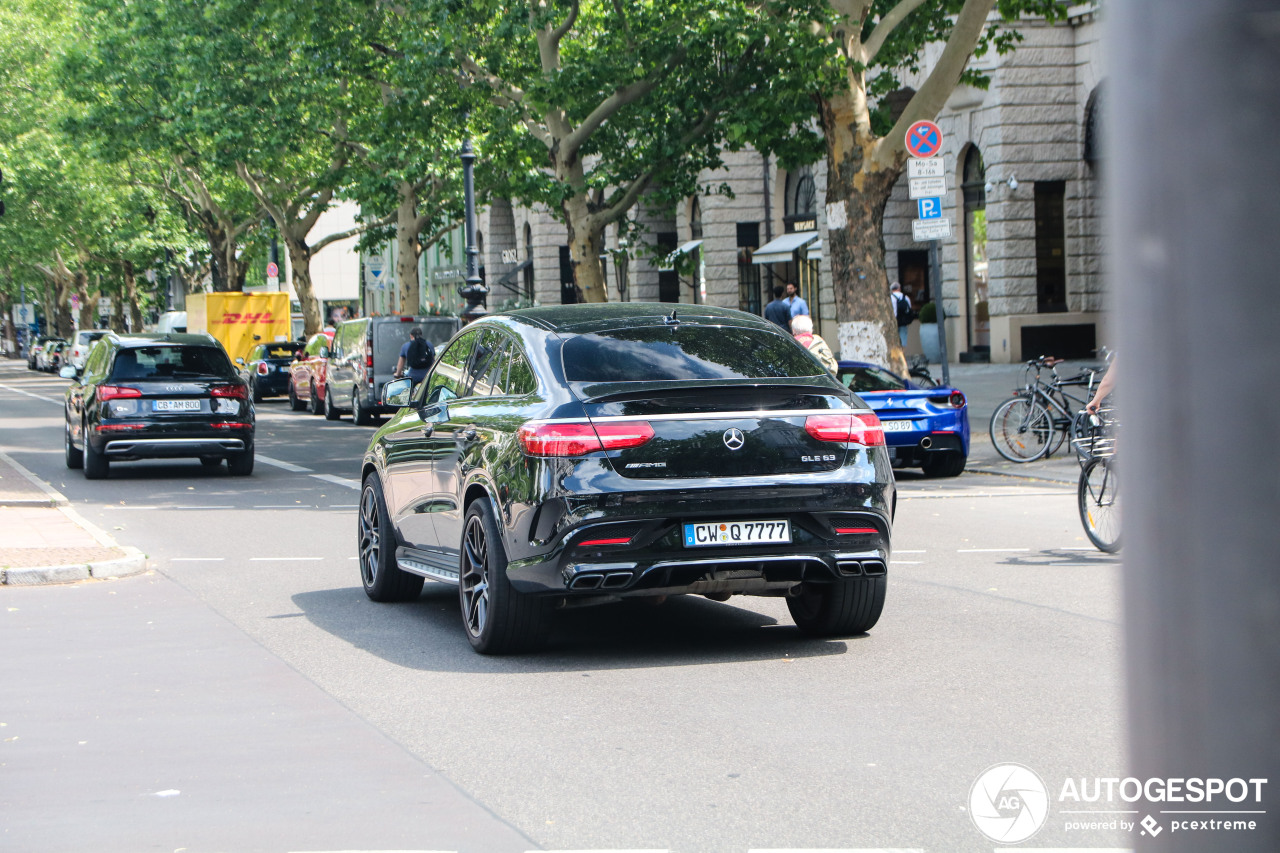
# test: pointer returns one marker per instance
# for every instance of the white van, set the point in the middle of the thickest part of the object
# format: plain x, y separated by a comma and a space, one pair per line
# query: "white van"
172, 321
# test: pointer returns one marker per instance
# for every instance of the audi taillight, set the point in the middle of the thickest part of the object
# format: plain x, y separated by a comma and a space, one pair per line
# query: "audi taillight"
861, 429
237, 391
115, 392
578, 438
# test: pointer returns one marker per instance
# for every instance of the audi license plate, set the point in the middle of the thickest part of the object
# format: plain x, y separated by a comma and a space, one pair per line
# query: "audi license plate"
897, 426
177, 405
707, 533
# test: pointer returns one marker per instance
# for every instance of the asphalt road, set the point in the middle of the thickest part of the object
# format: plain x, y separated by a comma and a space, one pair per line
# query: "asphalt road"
250, 674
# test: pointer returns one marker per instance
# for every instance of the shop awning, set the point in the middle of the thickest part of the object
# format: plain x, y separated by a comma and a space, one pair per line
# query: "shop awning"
783, 249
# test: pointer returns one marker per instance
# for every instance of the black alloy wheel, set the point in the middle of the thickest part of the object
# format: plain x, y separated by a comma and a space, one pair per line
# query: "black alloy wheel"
499, 620
294, 403
838, 609
74, 456
376, 549
331, 412
96, 464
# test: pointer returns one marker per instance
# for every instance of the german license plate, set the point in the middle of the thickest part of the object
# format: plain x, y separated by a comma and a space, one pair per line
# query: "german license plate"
706, 533
897, 426
177, 405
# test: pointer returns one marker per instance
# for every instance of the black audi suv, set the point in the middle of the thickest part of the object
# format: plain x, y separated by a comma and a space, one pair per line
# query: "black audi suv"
559, 455
157, 396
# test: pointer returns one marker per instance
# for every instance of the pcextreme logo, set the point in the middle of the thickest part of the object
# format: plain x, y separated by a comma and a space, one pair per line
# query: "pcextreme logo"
231, 318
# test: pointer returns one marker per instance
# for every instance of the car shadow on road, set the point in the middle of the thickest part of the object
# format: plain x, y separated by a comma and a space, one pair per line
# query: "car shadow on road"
427, 634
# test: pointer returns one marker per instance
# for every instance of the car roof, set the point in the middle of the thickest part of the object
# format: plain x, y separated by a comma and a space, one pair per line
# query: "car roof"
142, 339
595, 317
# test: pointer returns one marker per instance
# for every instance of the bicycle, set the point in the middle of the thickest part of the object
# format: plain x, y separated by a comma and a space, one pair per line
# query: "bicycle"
918, 370
1098, 490
1036, 420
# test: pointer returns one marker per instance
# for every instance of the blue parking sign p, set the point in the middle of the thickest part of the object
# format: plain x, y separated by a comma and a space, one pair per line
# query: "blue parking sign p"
929, 208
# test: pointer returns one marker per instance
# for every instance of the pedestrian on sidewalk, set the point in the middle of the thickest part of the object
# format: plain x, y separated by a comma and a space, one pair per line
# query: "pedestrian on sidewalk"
802, 330
416, 356
903, 313
795, 301
779, 310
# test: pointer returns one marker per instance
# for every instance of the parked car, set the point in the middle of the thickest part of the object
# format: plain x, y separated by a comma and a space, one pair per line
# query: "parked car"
55, 355
34, 353
80, 343
365, 352
923, 427
266, 371
569, 455
307, 374
157, 396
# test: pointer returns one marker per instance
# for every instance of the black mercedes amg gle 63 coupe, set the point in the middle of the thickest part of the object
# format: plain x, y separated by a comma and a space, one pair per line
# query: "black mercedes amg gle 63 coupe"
557, 456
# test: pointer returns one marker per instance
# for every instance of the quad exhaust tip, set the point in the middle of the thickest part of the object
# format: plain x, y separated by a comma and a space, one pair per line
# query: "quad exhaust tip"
867, 568
595, 580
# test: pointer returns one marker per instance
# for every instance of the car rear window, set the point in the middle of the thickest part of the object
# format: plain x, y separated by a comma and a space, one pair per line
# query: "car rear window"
286, 351
858, 379
684, 352
388, 338
170, 362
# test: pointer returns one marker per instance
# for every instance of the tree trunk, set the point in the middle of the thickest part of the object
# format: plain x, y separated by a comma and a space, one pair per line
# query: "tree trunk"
300, 260
224, 267
586, 242
407, 250
857, 193
131, 296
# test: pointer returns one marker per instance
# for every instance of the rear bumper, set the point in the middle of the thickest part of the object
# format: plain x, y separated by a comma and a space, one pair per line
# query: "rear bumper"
156, 448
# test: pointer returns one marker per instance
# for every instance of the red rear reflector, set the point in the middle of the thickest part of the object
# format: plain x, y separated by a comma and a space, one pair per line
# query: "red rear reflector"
850, 531
406, 319
861, 429
230, 426
622, 541
112, 392
117, 427
578, 438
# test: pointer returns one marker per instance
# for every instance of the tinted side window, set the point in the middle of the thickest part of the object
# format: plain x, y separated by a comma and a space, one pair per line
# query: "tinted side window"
684, 352
317, 343
445, 382
95, 362
485, 362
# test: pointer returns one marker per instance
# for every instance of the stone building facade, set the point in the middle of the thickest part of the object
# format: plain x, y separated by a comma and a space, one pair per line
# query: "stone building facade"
1020, 276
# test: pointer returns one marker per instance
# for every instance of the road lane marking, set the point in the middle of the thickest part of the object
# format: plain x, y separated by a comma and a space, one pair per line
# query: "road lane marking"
210, 506
283, 506
989, 550
276, 559
341, 481
344, 506
33, 396
903, 551
278, 463
117, 506
836, 850
196, 559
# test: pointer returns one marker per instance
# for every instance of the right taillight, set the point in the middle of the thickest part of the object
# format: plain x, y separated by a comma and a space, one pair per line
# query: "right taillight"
578, 438
113, 392
861, 428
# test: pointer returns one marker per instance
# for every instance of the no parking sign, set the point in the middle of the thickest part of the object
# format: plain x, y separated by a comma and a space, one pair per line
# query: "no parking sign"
924, 139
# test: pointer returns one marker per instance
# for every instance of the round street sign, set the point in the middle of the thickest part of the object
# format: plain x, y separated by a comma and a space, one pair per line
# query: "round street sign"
272, 271
924, 139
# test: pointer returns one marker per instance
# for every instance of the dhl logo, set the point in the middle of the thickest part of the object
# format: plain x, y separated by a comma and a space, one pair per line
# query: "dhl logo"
230, 318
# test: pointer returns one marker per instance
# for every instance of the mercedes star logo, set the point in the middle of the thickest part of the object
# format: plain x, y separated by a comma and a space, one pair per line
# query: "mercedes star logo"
733, 439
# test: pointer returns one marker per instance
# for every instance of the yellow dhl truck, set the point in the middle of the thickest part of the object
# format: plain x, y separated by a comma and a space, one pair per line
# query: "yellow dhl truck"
240, 320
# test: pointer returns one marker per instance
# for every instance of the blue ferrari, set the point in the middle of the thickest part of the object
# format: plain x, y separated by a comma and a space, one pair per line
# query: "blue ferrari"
923, 427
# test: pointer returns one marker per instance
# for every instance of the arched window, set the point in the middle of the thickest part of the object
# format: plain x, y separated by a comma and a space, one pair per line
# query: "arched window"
801, 201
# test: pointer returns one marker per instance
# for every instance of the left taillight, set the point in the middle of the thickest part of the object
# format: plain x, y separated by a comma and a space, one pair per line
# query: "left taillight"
236, 391
115, 392
262, 368
860, 428
578, 438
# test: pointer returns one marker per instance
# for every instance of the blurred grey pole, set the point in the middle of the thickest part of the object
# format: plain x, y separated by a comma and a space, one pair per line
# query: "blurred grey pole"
1193, 181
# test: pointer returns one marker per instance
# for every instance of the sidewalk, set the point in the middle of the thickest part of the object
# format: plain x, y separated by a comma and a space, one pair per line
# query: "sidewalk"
43, 540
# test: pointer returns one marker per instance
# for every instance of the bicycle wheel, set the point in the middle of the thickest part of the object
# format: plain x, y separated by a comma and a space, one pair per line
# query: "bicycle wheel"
1022, 430
1099, 499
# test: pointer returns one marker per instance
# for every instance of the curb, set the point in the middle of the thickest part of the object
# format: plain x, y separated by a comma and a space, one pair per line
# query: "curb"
133, 561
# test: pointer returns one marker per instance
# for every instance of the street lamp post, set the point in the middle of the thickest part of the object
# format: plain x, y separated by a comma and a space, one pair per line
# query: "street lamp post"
474, 290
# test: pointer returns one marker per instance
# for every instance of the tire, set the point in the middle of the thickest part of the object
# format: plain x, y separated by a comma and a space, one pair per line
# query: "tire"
294, 403
948, 464
841, 608
254, 392
210, 463
314, 404
96, 466
331, 413
74, 457
1098, 497
376, 548
498, 619
1022, 430
241, 464
359, 414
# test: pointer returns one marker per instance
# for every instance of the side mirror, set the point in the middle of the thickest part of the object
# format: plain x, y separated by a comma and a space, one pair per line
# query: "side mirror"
240, 361
397, 393
67, 372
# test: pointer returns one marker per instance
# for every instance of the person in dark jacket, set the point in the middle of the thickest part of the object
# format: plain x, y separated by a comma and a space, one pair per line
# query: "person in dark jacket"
779, 310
